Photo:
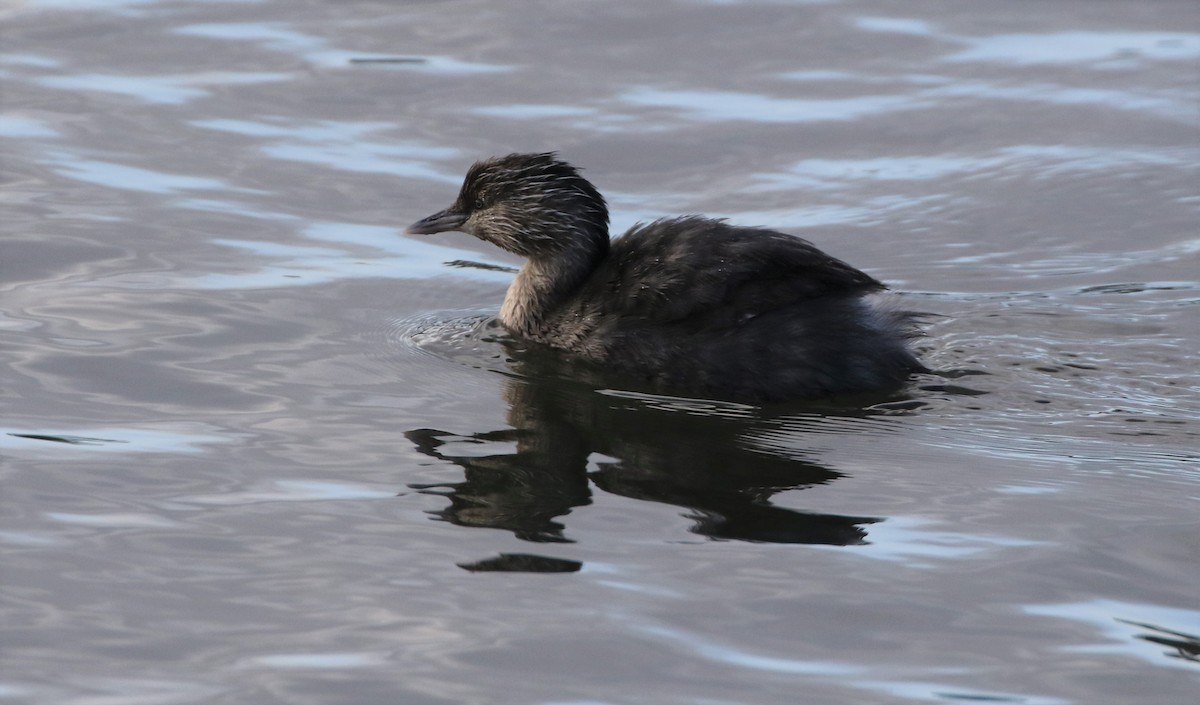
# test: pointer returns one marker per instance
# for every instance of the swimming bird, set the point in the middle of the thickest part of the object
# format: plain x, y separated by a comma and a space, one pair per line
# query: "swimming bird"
687, 304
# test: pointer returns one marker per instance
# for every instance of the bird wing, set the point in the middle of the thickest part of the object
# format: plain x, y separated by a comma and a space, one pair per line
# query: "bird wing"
713, 274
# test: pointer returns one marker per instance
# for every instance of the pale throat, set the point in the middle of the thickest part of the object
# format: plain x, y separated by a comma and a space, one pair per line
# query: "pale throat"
531, 296
538, 290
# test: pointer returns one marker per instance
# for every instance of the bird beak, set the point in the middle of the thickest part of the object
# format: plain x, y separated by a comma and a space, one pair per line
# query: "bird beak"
437, 223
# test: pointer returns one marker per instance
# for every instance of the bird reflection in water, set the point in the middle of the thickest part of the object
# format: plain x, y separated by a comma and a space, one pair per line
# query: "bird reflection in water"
694, 456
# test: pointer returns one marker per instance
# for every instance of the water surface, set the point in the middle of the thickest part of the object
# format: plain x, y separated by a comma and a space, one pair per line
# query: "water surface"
262, 447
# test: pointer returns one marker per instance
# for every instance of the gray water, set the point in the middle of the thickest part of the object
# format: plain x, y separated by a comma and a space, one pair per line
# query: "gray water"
261, 447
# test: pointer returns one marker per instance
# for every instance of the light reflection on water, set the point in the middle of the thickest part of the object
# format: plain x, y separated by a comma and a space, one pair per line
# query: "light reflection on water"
133, 178
242, 210
169, 90
718, 653
341, 145
918, 543
898, 25
1096, 50
113, 440
1136, 630
388, 255
112, 521
1090, 49
725, 106
535, 112
1033, 161
712, 651
336, 661
36, 60
292, 491
15, 126
1168, 104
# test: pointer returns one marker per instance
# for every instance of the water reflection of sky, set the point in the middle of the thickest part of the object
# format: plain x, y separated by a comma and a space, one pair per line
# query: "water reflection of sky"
117, 6
316, 50
534, 111
165, 438
1100, 50
711, 650
319, 661
900, 684
1092, 49
35, 60
113, 520
178, 88
292, 491
1123, 626
356, 252
233, 208
866, 211
170, 89
917, 543
340, 145
13, 126
1097, 50
1172, 105
122, 176
727, 105
734, 106
1030, 161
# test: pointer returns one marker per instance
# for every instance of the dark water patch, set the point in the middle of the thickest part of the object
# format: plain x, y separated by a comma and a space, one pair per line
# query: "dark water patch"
164, 438
1137, 287
955, 389
953, 696
567, 438
389, 60
961, 372
1180, 644
522, 563
71, 440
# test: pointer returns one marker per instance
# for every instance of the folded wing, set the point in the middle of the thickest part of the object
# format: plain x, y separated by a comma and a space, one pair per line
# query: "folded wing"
703, 273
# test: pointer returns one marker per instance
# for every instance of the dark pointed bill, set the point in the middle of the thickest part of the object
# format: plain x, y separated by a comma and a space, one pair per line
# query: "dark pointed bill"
436, 223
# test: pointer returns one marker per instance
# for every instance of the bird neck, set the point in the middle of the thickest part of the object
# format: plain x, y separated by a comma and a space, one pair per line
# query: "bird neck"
543, 285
